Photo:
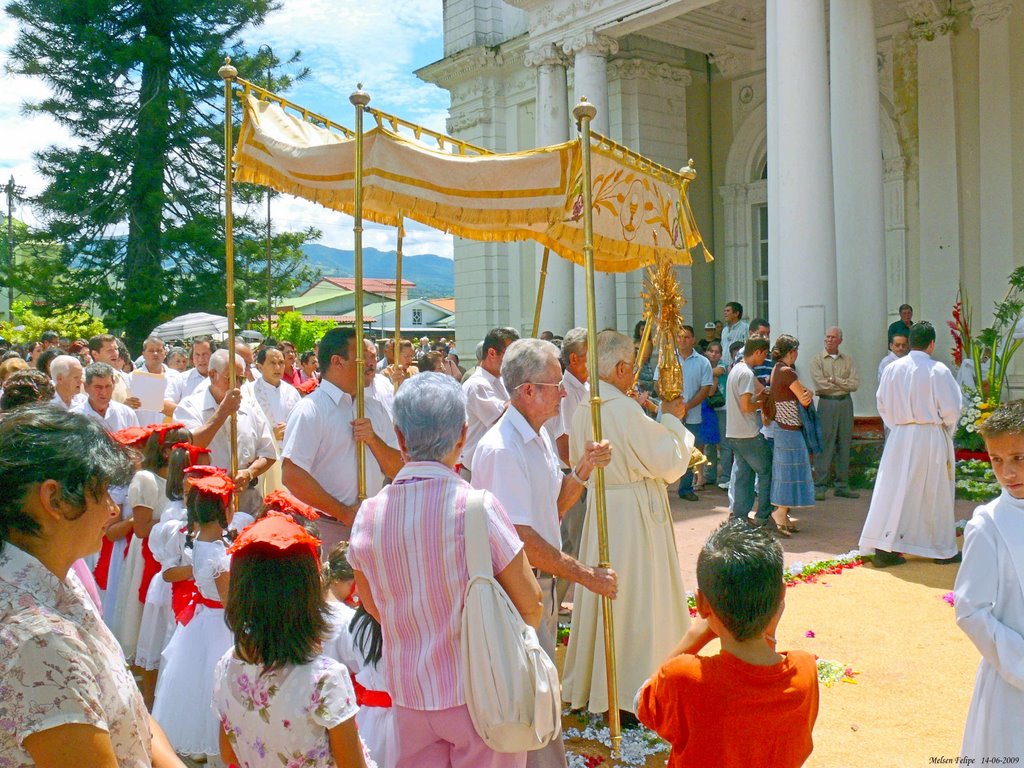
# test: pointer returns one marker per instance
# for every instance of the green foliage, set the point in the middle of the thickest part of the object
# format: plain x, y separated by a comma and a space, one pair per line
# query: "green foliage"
70, 322
135, 201
304, 334
975, 481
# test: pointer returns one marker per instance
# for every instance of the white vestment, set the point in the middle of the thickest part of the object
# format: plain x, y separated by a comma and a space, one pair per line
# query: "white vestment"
912, 504
650, 612
277, 404
990, 610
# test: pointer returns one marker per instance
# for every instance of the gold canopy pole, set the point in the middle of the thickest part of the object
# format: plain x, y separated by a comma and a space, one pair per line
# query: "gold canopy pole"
644, 341
398, 292
359, 100
228, 73
540, 290
584, 112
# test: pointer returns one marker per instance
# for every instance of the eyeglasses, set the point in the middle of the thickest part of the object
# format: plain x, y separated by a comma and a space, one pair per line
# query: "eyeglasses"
560, 384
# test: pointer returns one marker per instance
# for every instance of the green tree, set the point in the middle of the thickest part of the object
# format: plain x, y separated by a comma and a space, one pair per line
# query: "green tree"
136, 203
70, 322
304, 334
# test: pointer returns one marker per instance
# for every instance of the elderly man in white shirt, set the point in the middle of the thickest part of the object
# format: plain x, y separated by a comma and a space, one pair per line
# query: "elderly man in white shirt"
99, 403
319, 456
103, 348
153, 354
66, 373
517, 462
206, 414
486, 396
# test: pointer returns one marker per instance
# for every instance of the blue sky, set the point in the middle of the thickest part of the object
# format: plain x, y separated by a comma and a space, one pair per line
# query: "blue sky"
343, 42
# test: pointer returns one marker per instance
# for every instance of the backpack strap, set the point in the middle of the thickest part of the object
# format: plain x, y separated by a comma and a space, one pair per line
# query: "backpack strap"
478, 548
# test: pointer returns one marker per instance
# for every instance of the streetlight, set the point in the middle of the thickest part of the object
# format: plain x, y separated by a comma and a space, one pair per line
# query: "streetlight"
270, 284
13, 191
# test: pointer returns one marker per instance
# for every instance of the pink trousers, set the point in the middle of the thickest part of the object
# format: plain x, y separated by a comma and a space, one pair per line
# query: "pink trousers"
445, 737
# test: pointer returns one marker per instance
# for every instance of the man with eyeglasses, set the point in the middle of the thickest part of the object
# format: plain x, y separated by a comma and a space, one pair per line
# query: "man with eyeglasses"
650, 612
516, 460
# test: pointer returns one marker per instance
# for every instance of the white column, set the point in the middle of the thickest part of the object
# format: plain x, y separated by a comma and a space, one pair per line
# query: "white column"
556, 312
801, 227
591, 52
995, 153
938, 204
857, 169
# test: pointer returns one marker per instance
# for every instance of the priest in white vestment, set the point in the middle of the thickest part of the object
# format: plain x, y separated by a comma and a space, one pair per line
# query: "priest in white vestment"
650, 612
912, 505
276, 398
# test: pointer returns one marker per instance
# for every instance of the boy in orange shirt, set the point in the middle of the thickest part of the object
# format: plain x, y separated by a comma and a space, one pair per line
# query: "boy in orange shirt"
748, 705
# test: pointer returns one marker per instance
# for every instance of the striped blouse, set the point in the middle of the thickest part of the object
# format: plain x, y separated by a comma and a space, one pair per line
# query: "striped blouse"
408, 543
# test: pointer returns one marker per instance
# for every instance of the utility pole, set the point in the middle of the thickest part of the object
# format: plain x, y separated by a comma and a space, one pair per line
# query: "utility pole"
270, 280
13, 191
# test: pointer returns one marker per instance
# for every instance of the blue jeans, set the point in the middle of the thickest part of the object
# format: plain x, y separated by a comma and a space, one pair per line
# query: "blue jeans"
752, 456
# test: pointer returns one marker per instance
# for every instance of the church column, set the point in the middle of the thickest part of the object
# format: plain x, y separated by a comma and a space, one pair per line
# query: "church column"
990, 18
801, 226
938, 205
857, 169
556, 312
591, 52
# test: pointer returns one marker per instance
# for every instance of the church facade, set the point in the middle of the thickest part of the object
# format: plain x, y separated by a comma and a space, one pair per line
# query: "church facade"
852, 155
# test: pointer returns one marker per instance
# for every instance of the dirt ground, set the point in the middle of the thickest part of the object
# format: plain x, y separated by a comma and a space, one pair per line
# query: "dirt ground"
915, 669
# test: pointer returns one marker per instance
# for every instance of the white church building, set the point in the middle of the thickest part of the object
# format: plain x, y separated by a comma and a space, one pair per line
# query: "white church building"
852, 155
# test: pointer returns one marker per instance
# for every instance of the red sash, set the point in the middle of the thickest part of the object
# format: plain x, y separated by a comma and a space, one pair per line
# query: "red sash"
184, 599
150, 568
367, 698
102, 570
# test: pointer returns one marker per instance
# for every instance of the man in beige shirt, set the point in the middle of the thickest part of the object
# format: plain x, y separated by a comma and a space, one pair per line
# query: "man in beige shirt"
835, 377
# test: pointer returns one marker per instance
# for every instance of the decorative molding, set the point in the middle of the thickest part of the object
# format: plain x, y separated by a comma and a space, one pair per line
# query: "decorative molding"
894, 168
463, 122
590, 42
545, 55
731, 61
642, 69
919, 11
989, 12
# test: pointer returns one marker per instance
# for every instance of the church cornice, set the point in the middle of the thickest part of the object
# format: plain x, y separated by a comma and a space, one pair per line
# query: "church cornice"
653, 71
987, 12
475, 62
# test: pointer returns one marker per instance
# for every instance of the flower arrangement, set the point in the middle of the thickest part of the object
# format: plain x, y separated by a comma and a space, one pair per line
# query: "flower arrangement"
638, 743
832, 672
975, 412
975, 481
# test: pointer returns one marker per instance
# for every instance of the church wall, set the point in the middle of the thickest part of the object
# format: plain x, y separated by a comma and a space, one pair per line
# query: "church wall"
965, 95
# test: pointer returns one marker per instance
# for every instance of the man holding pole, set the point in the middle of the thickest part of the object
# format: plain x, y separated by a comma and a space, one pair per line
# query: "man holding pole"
648, 456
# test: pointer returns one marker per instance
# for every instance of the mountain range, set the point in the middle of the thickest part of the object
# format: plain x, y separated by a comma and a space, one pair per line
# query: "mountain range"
434, 275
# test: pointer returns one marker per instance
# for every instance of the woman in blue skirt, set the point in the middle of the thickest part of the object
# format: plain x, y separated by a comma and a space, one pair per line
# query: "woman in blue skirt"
792, 482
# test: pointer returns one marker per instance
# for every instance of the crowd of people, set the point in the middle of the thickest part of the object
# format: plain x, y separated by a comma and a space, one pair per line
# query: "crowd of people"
298, 600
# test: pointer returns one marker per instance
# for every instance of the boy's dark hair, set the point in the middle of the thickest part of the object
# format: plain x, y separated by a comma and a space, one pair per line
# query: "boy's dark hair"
275, 606
739, 572
750, 346
1007, 419
921, 335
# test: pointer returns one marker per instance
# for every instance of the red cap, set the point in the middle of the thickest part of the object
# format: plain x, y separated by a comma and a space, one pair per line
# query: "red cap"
193, 451
163, 429
216, 484
307, 386
132, 435
283, 501
278, 532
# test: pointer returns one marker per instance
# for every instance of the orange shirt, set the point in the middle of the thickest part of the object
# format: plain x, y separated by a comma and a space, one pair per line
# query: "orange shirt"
723, 712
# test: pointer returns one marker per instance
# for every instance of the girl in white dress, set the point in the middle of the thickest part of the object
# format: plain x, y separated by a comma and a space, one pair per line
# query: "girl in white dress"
147, 497
185, 689
167, 543
279, 700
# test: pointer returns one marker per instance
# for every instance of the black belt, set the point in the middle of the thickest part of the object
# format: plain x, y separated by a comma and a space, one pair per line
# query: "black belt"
834, 397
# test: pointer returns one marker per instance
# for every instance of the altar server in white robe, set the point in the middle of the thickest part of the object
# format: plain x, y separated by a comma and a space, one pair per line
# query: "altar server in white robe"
990, 597
912, 504
276, 398
650, 612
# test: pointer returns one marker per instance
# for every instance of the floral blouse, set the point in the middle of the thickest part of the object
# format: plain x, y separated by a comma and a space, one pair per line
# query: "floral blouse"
59, 664
281, 717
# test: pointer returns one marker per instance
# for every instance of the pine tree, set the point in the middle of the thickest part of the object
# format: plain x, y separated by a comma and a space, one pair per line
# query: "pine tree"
136, 202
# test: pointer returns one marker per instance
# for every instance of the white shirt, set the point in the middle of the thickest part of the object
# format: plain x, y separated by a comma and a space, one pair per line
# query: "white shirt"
185, 384
576, 392
486, 397
520, 467
75, 400
885, 362
318, 439
118, 416
277, 402
733, 333
254, 436
383, 391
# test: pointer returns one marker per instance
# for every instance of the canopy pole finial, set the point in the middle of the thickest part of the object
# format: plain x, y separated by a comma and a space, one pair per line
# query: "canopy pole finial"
584, 112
